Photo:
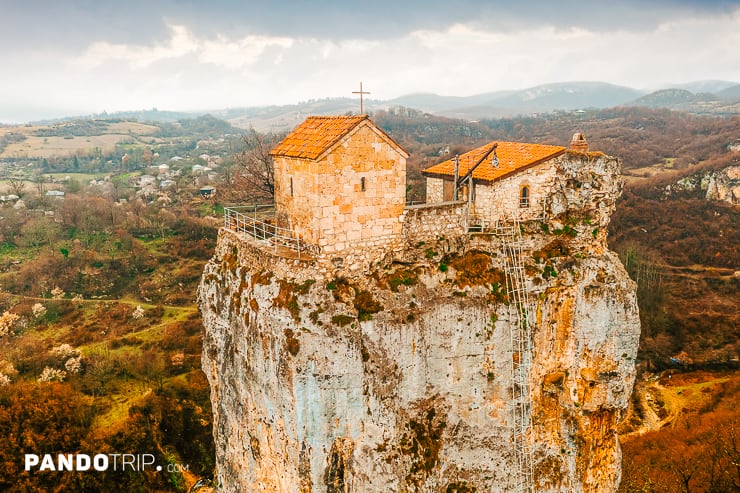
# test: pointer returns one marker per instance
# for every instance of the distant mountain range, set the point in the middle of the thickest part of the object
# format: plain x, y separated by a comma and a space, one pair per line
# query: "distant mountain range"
716, 97
544, 98
708, 96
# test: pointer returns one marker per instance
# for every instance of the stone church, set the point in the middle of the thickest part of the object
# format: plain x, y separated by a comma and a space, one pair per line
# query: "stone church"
340, 183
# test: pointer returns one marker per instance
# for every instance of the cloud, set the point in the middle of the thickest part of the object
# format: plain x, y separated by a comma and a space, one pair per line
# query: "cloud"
220, 51
241, 52
180, 43
187, 67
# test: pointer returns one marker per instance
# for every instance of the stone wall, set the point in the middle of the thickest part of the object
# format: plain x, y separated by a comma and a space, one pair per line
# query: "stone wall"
435, 190
429, 222
501, 199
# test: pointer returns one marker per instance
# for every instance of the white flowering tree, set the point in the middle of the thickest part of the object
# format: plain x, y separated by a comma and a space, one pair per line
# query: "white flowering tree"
52, 375
65, 351
73, 365
7, 323
138, 313
38, 310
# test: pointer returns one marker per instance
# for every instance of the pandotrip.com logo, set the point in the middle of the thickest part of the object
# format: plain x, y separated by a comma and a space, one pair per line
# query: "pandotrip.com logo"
98, 462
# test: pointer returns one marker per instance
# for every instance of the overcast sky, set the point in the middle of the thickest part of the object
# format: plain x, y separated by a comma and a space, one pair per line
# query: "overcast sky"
61, 58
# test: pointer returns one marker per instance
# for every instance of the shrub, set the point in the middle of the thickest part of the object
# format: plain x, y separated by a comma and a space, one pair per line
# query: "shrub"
366, 305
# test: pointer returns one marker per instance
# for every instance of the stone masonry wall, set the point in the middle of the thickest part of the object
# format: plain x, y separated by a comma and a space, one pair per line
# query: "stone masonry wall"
502, 198
435, 190
429, 222
570, 184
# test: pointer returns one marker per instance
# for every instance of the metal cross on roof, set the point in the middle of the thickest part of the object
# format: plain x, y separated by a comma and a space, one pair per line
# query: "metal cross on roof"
361, 92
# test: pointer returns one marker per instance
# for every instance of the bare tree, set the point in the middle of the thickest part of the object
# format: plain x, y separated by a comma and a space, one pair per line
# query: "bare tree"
254, 174
40, 182
16, 186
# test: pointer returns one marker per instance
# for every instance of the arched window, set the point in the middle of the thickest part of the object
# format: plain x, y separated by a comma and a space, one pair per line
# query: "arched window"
291, 186
524, 196
362, 184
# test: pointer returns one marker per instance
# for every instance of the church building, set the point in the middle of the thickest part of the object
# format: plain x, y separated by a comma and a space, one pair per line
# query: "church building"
340, 183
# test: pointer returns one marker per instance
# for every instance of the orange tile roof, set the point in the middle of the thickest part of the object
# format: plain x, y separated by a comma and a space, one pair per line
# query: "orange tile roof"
512, 156
315, 135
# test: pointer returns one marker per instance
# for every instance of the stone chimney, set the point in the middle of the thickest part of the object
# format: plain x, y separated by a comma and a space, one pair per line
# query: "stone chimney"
579, 143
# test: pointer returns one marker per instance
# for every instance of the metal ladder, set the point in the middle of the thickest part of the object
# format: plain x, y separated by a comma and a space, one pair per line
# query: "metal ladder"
520, 334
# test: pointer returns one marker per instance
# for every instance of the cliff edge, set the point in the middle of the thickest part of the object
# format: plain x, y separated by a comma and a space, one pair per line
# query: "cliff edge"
405, 378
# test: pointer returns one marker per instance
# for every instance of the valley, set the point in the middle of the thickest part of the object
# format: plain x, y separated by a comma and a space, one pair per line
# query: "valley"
109, 273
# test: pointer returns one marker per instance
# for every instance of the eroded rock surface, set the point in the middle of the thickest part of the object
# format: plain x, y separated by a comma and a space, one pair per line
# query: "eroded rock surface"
401, 380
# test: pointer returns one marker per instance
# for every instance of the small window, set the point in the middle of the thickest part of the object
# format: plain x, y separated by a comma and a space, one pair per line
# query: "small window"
362, 184
524, 196
291, 186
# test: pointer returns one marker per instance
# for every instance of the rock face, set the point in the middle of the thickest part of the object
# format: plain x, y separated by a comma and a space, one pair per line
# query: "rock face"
725, 185
722, 184
401, 380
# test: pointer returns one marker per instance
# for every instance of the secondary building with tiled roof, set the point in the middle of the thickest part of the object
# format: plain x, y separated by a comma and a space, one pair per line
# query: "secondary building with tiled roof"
512, 157
499, 178
340, 183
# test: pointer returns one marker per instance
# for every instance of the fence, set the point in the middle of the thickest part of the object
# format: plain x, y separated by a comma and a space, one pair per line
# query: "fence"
260, 222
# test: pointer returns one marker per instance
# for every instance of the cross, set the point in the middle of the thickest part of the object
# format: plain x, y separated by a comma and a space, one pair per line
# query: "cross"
361, 92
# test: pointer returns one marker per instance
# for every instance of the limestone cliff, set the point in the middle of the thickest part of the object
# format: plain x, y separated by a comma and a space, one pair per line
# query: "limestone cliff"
401, 380
722, 184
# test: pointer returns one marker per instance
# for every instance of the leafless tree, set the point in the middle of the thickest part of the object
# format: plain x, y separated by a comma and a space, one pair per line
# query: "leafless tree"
40, 182
254, 175
16, 186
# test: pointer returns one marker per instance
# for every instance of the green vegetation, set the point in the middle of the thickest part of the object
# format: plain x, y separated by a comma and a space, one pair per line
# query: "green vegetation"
401, 277
342, 320
99, 325
366, 305
474, 269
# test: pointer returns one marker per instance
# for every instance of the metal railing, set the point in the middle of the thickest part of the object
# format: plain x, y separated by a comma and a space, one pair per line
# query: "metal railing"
260, 222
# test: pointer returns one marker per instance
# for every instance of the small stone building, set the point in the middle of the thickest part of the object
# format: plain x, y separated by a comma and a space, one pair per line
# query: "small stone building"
512, 181
340, 183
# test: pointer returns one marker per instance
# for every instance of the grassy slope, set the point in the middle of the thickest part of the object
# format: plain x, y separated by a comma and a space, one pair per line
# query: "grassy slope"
49, 146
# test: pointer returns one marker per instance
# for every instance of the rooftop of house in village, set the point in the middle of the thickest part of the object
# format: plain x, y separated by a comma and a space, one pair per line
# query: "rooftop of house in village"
318, 134
512, 157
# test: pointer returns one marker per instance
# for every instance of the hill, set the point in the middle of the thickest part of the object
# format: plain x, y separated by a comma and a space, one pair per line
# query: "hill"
732, 92
669, 97
542, 99
103, 145
708, 86
724, 102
